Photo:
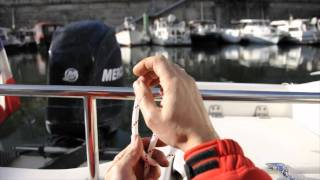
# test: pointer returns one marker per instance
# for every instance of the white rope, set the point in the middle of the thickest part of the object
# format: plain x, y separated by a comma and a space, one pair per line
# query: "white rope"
152, 145
135, 119
135, 131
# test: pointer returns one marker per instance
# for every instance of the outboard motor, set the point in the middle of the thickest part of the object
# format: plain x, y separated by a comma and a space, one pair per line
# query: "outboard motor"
83, 53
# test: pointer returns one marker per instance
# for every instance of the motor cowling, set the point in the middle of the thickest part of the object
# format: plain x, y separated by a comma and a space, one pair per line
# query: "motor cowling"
83, 53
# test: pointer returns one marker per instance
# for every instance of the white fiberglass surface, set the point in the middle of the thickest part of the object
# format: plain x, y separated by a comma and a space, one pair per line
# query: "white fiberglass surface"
274, 140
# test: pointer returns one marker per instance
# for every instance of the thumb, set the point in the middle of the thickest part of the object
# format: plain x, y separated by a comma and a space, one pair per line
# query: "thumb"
146, 102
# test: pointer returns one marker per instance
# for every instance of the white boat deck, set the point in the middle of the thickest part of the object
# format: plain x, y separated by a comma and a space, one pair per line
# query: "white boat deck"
290, 135
274, 140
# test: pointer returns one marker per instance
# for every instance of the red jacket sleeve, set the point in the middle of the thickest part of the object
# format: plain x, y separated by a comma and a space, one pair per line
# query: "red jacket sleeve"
221, 160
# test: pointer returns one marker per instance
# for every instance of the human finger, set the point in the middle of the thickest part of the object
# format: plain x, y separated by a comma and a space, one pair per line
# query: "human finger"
146, 142
133, 153
147, 104
157, 64
154, 173
149, 78
154, 83
117, 158
160, 158
120, 155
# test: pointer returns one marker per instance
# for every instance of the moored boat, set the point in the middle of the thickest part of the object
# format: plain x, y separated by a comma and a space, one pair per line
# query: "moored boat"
259, 31
9, 39
26, 37
130, 36
170, 32
43, 32
300, 31
231, 35
204, 32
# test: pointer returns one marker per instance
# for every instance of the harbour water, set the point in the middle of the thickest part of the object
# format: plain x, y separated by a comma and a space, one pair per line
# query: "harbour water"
232, 63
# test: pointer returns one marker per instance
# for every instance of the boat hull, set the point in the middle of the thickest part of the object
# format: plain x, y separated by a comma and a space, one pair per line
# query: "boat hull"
262, 39
205, 39
132, 38
304, 38
231, 36
172, 41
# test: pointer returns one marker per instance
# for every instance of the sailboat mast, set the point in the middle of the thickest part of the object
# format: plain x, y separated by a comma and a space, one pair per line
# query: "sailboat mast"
13, 23
201, 11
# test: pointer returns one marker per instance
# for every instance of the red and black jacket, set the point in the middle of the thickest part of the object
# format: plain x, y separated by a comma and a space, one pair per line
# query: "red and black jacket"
221, 160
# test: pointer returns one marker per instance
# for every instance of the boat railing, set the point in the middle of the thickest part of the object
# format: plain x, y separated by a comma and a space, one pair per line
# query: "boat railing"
89, 94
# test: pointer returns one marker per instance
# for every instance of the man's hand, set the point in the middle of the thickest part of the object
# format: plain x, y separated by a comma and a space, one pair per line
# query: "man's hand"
181, 120
129, 164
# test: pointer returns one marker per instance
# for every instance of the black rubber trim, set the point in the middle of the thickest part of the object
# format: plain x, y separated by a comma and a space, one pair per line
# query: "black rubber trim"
206, 167
201, 156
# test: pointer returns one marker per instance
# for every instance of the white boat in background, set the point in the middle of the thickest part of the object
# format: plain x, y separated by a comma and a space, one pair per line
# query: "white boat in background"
259, 31
9, 39
169, 31
26, 37
203, 32
130, 36
300, 31
231, 35
272, 133
43, 32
